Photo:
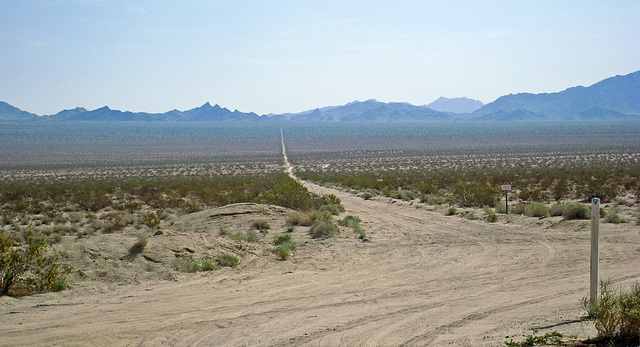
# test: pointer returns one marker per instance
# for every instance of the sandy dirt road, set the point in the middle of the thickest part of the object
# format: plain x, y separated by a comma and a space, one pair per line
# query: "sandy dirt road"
423, 279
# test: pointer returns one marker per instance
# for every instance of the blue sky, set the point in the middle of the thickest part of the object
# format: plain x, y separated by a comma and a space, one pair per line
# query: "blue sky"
289, 56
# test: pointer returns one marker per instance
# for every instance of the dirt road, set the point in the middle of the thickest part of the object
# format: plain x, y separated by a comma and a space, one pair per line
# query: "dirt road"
423, 279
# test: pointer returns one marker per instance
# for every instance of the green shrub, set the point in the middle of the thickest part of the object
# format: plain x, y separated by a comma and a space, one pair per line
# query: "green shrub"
59, 284
517, 209
282, 253
535, 340
334, 209
616, 314
492, 217
228, 260
470, 194
323, 229
366, 195
316, 216
32, 264
576, 210
537, 209
350, 221
185, 265
361, 233
252, 236
208, 265
151, 220
451, 211
433, 199
282, 239
556, 210
615, 219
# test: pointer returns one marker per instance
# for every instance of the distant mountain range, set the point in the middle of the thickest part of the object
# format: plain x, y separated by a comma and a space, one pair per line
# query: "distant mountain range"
613, 98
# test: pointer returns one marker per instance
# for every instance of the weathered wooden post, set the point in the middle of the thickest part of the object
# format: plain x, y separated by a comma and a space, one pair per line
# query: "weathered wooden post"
506, 187
595, 235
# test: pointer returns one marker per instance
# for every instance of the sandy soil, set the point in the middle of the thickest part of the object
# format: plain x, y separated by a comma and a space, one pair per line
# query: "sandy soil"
422, 279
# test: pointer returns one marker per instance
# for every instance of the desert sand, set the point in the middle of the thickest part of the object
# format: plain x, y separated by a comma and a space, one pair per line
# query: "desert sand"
422, 278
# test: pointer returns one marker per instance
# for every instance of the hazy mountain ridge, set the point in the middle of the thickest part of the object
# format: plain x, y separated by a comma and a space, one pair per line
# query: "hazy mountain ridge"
455, 105
613, 98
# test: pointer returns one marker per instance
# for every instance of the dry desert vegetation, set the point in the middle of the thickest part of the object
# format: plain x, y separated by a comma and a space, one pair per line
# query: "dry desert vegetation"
179, 257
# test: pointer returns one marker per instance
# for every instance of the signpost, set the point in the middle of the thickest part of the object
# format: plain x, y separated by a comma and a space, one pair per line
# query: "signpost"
595, 235
506, 187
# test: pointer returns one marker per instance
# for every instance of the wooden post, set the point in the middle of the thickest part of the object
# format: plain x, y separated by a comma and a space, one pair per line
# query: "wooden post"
506, 187
595, 235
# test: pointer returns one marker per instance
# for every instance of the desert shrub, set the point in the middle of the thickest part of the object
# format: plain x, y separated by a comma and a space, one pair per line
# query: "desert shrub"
366, 195
353, 222
260, 225
451, 211
282, 239
323, 229
249, 236
501, 207
553, 337
186, 265
32, 264
282, 253
208, 265
433, 199
228, 260
556, 210
141, 243
616, 314
284, 246
576, 210
252, 236
350, 221
492, 217
402, 195
470, 194
316, 216
615, 218
151, 220
470, 215
298, 218
518, 209
334, 209
537, 209
59, 284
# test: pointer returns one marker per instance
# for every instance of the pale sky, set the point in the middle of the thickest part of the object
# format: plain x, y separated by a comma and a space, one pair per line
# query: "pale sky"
290, 56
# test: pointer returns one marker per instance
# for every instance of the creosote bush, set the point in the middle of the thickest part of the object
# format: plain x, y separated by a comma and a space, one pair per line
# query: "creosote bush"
576, 210
537, 209
556, 210
616, 314
32, 263
323, 229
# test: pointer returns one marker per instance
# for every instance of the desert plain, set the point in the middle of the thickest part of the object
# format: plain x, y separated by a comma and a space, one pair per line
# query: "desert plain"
420, 277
